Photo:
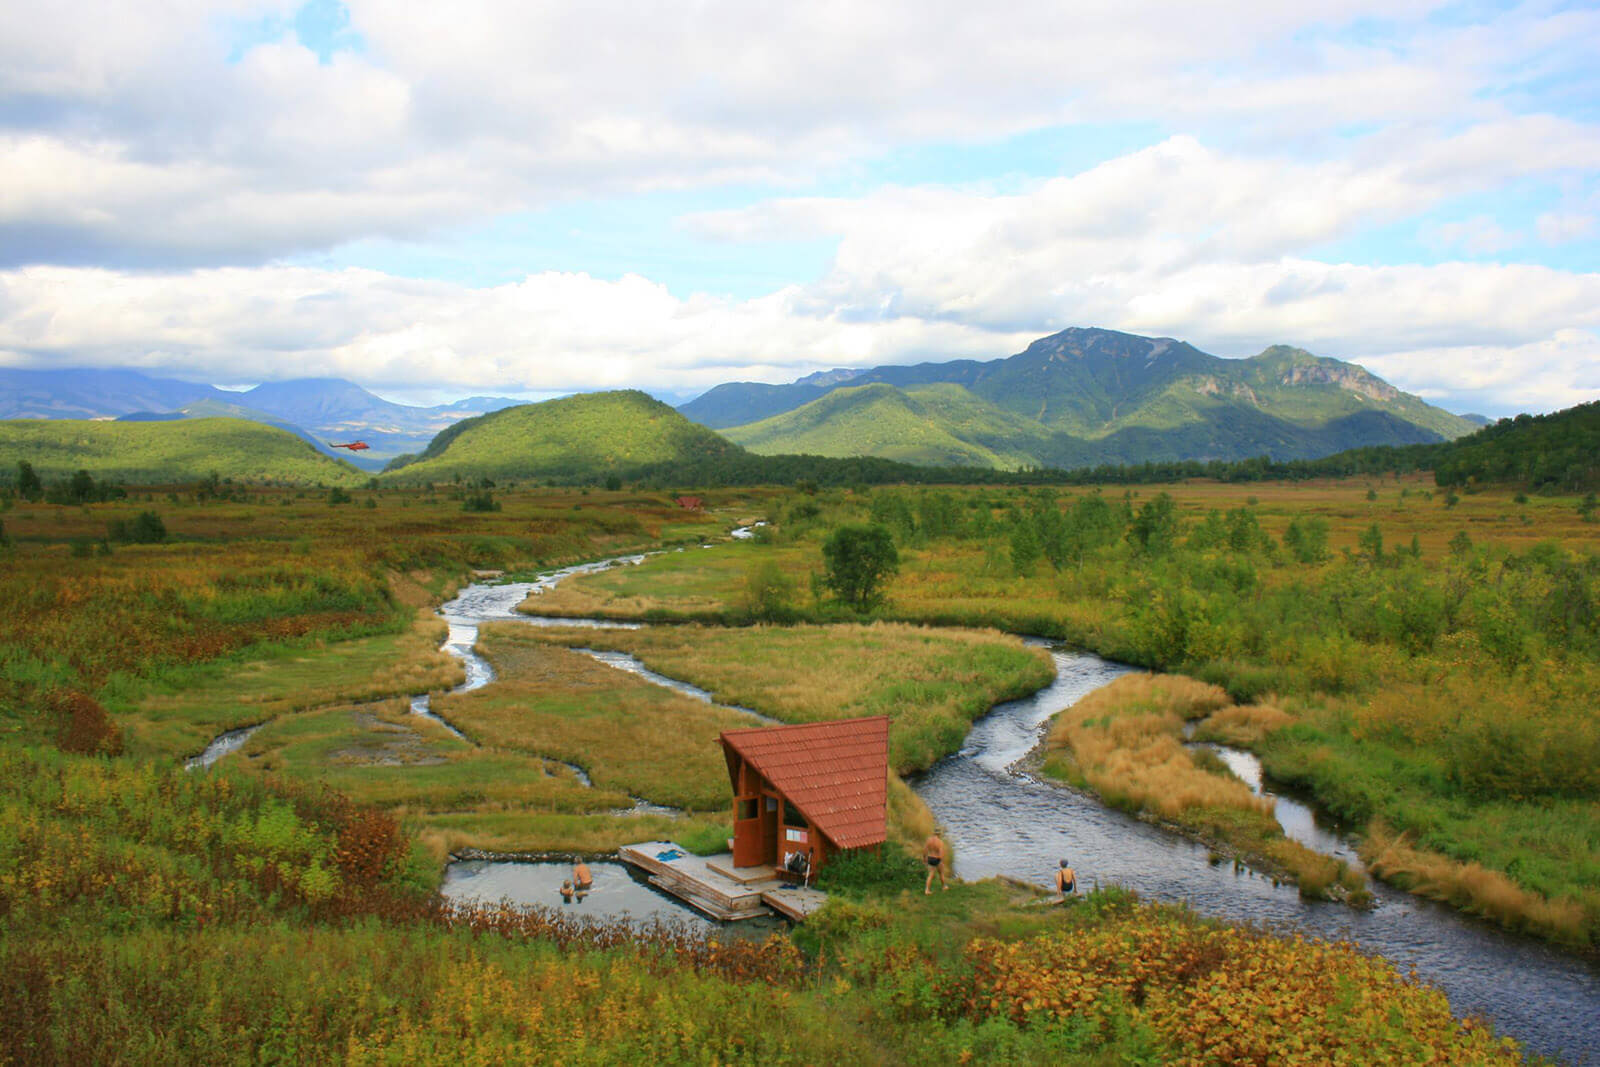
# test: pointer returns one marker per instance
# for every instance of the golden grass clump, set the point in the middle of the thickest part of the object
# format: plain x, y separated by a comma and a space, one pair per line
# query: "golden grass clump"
1123, 740
1471, 887
1243, 726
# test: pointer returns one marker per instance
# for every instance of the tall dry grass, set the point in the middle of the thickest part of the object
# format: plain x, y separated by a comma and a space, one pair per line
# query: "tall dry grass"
1471, 887
1123, 741
1242, 726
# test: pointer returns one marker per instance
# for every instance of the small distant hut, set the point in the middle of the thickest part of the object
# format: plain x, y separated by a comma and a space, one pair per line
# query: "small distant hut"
690, 503
803, 793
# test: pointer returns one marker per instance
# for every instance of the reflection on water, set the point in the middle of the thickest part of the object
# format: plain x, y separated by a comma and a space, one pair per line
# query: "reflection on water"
1299, 822
618, 893
1005, 823
220, 746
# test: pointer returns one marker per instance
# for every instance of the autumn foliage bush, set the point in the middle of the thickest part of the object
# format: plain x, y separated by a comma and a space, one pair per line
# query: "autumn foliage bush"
1224, 995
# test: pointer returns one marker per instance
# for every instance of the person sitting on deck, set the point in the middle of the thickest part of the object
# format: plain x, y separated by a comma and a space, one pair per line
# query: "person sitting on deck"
1066, 880
581, 878
933, 853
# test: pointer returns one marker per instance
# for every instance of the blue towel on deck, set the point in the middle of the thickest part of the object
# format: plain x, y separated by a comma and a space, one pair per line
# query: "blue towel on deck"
669, 855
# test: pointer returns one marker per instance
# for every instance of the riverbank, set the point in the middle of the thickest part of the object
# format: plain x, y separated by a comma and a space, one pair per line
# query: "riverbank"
1125, 744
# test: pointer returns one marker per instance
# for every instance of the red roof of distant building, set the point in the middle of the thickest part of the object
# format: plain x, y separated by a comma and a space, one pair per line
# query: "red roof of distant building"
835, 773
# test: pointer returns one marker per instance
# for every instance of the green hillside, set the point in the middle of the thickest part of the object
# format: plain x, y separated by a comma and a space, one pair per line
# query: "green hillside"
1559, 451
573, 439
939, 425
1086, 396
157, 453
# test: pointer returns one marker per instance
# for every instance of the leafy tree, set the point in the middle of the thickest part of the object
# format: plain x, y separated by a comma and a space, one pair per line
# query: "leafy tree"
483, 501
1307, 540
1025, 547
1244, 532
1155, 527
938, 515
1371, 543
613, 482
769, 592
893, 511
148, 529
857, 560
1209, 532
338, 496
29, 487
80, 487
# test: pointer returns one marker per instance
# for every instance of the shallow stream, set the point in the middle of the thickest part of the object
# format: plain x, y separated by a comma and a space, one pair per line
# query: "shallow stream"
1003, 822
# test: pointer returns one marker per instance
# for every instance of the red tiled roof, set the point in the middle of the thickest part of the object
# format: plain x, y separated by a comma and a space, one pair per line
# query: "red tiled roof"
835, 773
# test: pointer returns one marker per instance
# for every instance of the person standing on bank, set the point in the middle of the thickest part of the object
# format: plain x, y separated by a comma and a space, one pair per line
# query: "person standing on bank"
933, 853
1066, 881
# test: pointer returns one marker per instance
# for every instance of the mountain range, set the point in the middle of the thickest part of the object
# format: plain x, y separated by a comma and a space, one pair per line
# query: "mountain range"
323, 411
1077, 398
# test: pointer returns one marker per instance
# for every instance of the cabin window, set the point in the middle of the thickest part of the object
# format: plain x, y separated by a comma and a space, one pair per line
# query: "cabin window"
792, 815
747, 809
772, 803
795, 834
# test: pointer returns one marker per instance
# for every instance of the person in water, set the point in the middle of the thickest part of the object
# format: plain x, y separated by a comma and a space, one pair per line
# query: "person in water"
933, 854
566, 892
582, 880
1066, 881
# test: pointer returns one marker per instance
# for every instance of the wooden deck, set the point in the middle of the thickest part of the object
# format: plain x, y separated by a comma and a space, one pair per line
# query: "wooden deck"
713, 885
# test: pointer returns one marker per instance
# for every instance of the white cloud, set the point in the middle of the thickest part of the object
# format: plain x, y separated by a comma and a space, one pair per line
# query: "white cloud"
1479, 235
1559, 227
1554, 372
549, 332
170, 154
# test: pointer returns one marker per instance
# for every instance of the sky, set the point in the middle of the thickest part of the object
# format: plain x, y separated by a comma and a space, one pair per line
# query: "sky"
536, 198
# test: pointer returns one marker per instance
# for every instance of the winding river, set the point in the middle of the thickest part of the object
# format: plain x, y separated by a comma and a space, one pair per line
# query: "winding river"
1002, 821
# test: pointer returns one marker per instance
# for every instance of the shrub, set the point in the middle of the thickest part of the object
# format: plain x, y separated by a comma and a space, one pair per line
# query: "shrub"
85, 728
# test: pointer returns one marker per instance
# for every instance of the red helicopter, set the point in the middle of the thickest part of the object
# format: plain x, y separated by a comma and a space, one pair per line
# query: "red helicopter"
354, 446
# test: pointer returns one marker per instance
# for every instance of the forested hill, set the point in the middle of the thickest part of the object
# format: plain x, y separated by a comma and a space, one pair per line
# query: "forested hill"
1558, 451
168, 452
1081, 396
575, 439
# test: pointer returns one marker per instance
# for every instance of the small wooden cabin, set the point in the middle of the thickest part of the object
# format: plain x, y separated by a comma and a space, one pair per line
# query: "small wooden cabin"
813, 789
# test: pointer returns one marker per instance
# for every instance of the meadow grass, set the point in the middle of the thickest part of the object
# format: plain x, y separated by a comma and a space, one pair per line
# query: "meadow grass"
931, 683
383, 754
693, 583
228, 696
629, 735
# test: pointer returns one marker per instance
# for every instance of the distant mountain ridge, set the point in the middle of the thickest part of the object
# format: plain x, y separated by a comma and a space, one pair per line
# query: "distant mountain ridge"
319, 409
1081, 397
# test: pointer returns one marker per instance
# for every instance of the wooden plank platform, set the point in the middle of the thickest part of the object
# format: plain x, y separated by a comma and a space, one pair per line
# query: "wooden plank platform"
715, 886
795, 902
